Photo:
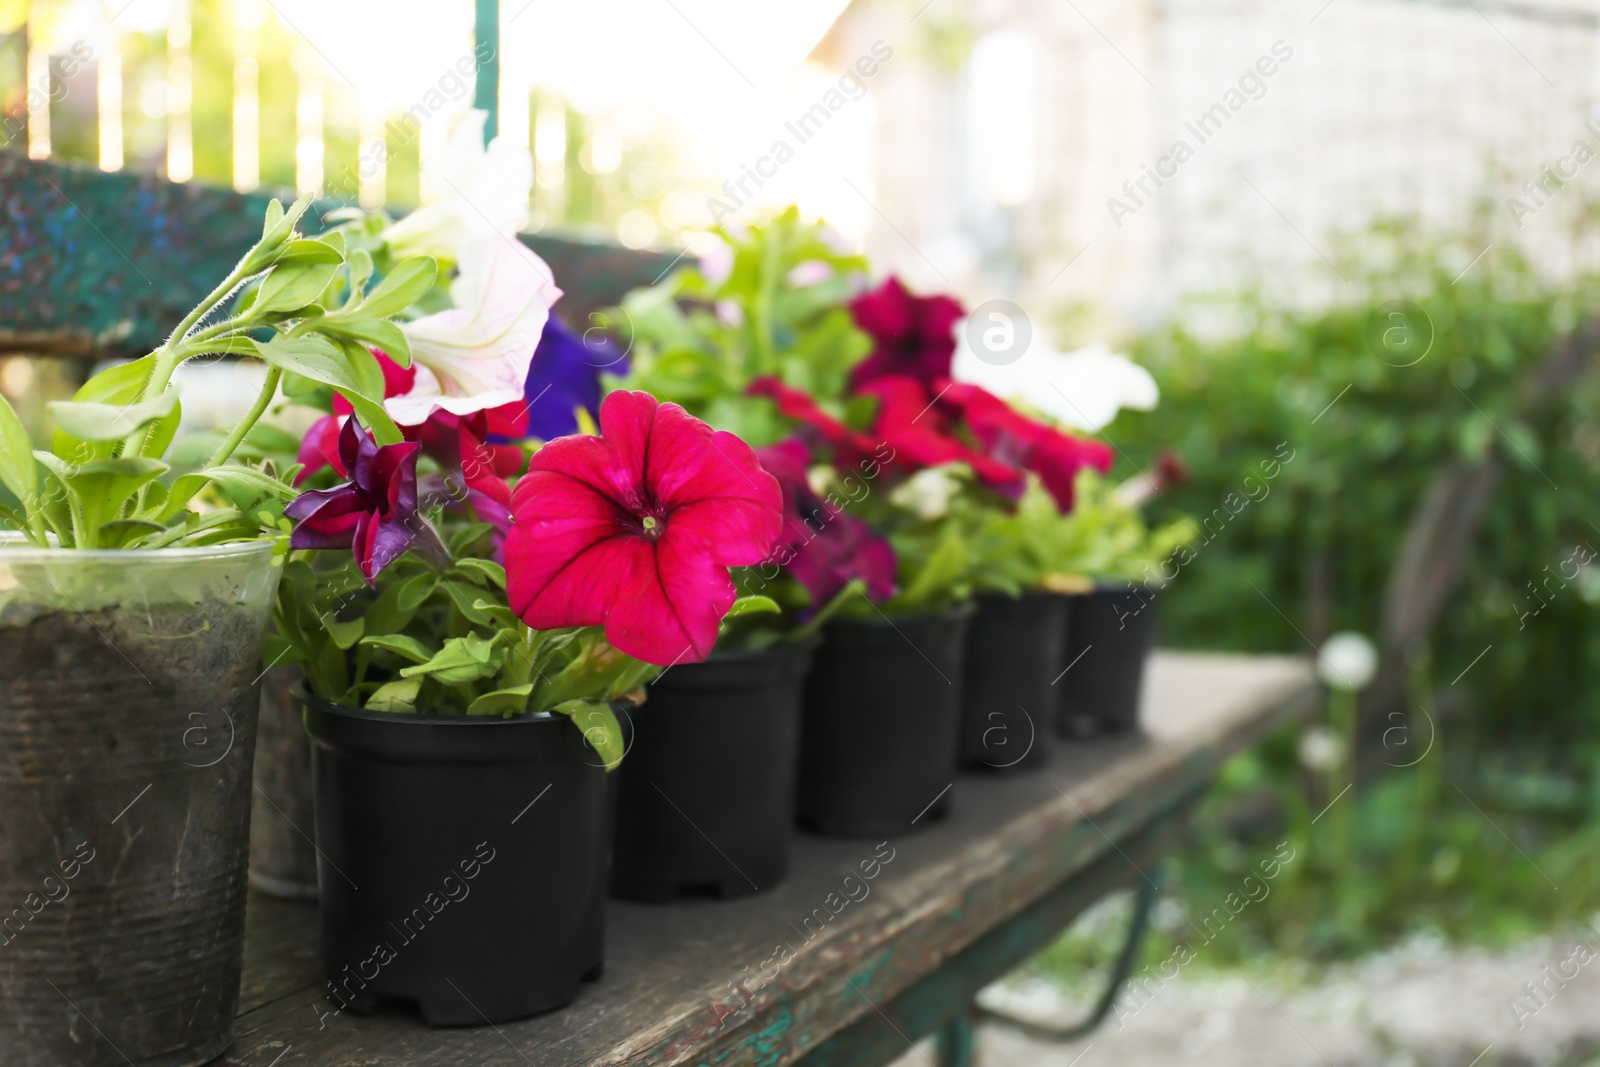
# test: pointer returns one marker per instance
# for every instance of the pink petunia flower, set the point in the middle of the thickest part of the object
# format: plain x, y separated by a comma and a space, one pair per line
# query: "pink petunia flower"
635, 529
912, 336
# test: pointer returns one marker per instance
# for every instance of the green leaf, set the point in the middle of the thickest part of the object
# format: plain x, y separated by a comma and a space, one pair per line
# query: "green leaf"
103, 485
246, 485
380, 333
485, 572
753, 605
317, 358
465, 598
279, 230
600, 728
938, 579
319, 250
182, 491
118, 385
280, 651
125, 533
292, 286
18, 471
400, 644
398, 696
410, 594
274, 216
593, 670
463, 659
502, 701
360, 262
469, 535
110, 422
406, 283
344, 634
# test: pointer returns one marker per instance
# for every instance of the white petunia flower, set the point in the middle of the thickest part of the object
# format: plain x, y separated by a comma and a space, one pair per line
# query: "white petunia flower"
1084, 389
476, 355
485, 194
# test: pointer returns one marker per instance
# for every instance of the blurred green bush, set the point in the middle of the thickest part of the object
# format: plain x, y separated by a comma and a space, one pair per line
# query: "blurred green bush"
1426, 364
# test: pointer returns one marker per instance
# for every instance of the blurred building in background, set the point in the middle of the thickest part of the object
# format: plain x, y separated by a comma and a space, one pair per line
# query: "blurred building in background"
1095, 160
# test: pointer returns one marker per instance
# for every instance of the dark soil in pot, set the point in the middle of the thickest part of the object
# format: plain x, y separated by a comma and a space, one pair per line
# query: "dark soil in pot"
462, 861
1109, 637
705, 799
128, 737
881, 724
1015, 652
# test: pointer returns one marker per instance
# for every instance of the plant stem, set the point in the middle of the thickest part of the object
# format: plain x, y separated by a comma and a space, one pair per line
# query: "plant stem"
173, 351
269, 389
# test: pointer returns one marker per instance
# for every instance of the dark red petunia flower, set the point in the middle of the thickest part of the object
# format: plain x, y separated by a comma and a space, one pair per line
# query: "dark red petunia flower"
822, 547
912, 336
913, 425
635, 529
374, 513
474, 471
319, 446
846, 446
1012, 438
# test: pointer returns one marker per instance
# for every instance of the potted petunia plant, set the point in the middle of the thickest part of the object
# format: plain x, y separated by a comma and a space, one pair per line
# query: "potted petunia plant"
956, 455
765, 304
1115, 565
133, 599
495, 369
1093, 551
463, 663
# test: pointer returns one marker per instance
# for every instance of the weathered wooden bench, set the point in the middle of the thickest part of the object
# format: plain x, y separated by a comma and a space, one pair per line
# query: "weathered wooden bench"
831, 968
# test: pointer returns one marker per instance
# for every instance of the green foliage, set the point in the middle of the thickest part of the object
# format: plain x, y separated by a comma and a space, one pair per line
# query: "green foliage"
434, 635
1104, 538
700, 342
1312, 437
104, 482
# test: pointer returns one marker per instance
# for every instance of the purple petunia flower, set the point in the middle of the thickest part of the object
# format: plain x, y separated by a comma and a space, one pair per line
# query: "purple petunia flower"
374, 513
563, 377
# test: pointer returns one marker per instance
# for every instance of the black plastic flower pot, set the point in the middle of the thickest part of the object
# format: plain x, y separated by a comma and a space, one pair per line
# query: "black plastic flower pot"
881, 725
462, 861
128, 701
705, 797
1015, 652
1109, 636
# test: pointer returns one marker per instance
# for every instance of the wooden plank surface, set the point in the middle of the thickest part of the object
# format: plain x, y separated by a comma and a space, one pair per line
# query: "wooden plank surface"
750, 982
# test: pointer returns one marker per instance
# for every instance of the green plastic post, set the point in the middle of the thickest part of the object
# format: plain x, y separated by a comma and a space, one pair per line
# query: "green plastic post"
486, 30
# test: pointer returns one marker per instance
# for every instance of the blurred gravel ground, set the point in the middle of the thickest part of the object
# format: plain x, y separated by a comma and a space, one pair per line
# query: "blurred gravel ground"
1420, 1005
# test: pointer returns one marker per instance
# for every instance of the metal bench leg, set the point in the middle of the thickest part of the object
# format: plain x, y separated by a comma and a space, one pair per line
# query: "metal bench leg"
956, 1044
1148, 889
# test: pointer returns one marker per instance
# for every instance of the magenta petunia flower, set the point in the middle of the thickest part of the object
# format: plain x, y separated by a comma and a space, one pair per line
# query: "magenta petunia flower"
822, 547
374, 513
635, 529
912, 336
1009, 437
819, 428
911, 422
